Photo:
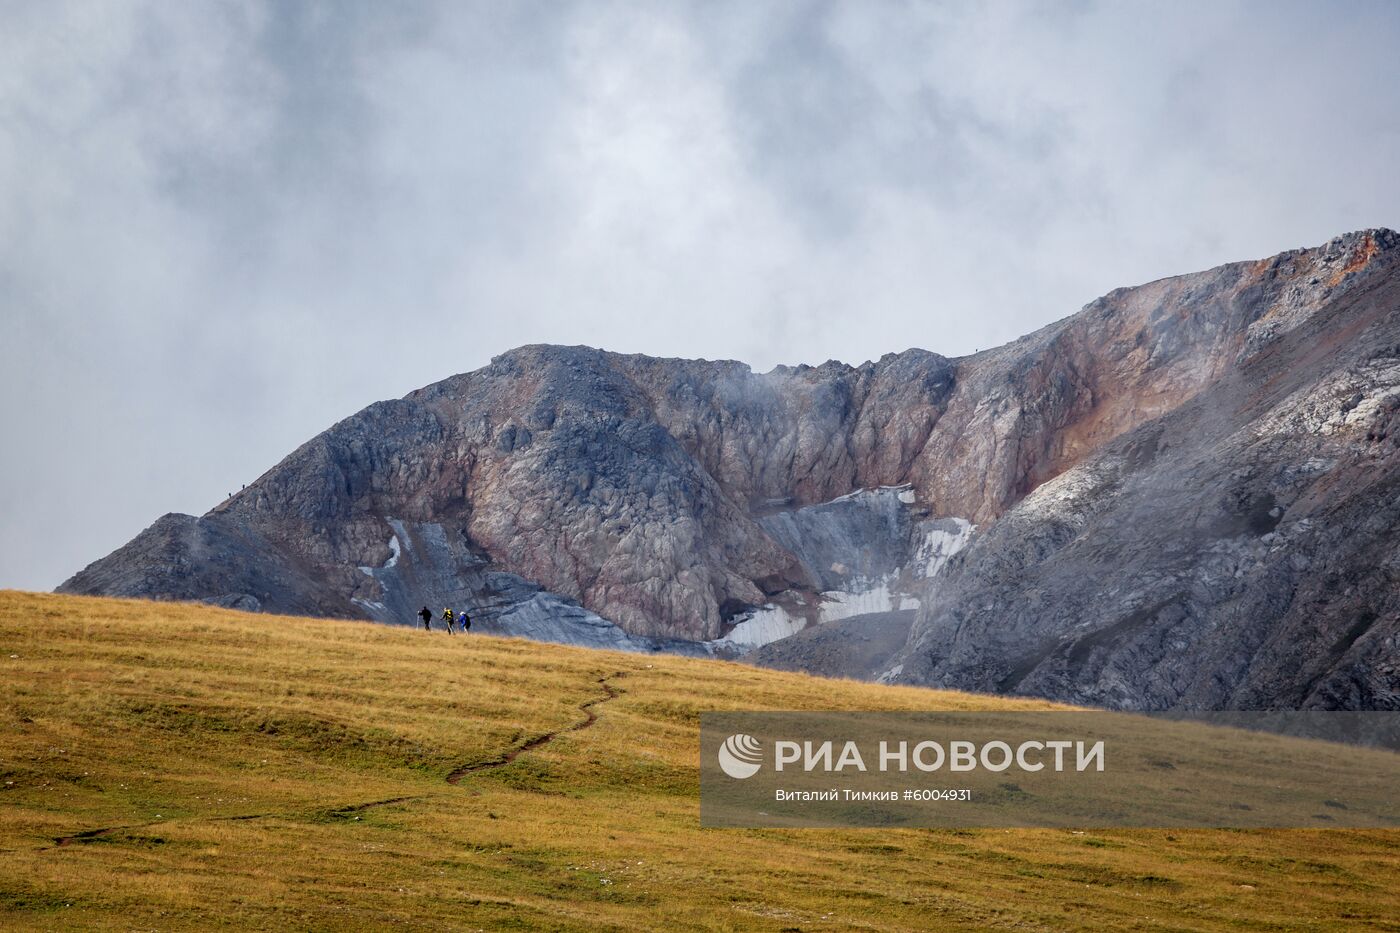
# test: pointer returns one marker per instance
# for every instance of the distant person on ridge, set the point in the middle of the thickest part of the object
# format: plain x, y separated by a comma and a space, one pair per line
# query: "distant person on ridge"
447, 617
464, 620
426, 615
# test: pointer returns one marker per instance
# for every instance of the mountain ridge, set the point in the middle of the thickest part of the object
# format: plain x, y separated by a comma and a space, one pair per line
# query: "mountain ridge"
625, 490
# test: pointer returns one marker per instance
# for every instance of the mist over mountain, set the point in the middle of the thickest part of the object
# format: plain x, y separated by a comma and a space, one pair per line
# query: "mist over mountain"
1185, 495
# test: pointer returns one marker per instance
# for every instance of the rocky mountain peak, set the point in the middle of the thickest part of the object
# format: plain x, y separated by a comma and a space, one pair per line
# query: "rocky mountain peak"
638, 501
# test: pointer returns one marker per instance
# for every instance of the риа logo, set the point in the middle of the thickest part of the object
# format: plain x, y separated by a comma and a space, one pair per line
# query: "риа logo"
740, 756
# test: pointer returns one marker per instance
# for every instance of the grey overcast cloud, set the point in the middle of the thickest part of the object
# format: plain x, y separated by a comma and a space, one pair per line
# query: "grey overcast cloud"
226, 226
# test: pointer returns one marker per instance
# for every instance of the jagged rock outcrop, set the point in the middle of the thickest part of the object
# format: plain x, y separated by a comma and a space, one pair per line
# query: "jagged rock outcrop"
641, 501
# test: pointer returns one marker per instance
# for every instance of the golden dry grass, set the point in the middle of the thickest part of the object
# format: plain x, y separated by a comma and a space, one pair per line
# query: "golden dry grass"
219, 763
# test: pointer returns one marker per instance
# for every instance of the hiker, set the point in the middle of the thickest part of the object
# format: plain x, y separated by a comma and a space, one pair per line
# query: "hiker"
427, 616
447, 617
464, 620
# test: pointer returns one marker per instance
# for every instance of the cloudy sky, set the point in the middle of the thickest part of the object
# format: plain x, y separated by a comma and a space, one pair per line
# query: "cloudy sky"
225, 226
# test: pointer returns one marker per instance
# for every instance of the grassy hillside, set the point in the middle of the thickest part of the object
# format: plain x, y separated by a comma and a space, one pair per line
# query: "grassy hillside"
167, 767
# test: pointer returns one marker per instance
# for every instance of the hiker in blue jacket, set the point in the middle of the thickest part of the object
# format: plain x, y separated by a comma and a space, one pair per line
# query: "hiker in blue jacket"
464, 620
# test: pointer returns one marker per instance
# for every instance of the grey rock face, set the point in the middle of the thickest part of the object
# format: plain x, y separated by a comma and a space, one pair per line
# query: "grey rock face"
1241, 552
1123, 467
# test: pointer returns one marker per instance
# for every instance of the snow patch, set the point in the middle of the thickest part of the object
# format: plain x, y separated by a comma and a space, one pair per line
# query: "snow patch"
940, 543
764, 625
838, 604
394, 551
905, 494
888, 676
862, 599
